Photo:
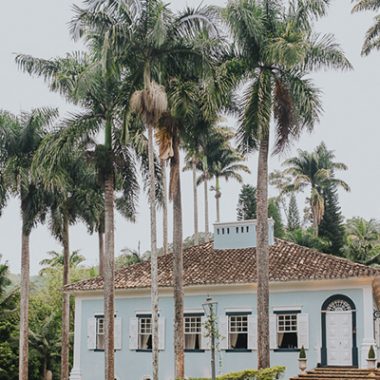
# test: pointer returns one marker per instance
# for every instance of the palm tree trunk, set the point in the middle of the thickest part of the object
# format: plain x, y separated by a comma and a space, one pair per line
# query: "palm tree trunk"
101, 251
164, 208
195, 196
24, 303
65, 301
109, 278
206, 209
109, 258
178, 267
262, 257
217, 198
154, 263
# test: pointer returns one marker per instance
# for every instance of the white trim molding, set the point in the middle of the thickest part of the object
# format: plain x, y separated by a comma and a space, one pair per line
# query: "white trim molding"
75, 373
368, 333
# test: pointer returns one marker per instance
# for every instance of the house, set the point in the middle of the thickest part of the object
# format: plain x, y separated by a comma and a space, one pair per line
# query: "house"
319, 301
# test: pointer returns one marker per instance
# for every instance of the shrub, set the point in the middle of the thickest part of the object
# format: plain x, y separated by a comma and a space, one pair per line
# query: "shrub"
302, 354
371, 353
252, 374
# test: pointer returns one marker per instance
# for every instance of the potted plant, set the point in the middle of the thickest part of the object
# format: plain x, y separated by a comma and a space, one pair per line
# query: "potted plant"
371, 360
302, 360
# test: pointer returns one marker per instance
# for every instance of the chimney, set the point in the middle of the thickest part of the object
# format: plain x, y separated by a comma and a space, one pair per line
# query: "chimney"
240, 234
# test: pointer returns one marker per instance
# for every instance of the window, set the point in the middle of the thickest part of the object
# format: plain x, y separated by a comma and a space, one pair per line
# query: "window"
242, 229
237, 230
238, 332
100, 333
193, 332
145, 333
287, 334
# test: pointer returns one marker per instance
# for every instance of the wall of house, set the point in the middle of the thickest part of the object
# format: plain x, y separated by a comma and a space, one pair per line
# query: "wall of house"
132, 365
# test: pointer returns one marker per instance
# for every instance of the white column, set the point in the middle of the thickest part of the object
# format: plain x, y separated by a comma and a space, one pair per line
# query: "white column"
75, 373
368, 333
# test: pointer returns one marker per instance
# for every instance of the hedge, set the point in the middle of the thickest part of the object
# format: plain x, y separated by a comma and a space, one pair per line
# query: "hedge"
251, 374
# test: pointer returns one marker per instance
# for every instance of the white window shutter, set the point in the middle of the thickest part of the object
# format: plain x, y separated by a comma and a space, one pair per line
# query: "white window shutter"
273, 332
252, 332
133, 333
205, 339
161, 333
91, 333
117, 334
223, 332
303, 330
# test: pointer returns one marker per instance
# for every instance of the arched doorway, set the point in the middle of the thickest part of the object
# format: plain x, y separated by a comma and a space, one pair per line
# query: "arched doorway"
339, 332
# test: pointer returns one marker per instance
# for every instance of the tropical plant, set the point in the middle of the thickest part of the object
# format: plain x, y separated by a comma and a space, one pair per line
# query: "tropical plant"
372, 38
307, 238
226, 165
56, 260
101, 90
363, 240
26, 133
317, 170
46, 342
128, 257
276, 50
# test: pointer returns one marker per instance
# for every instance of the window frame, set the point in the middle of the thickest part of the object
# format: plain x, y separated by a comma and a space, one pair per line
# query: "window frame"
139, 318
289, 312
98, 317
193, 315
238, 314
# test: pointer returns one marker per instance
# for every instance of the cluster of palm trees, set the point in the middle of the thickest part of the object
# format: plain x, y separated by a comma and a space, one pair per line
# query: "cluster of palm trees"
169, 75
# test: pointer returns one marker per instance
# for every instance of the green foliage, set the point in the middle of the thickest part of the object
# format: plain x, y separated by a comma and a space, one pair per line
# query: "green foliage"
332, 226
246, 208
275, 213
363, 240
251, 374
128, 257
302, 354
293, 214
307, 238
371, 353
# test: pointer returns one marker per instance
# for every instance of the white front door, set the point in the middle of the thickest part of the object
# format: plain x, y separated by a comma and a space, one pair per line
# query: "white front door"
339, 338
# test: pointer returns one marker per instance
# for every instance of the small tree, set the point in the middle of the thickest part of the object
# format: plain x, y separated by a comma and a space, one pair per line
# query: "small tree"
293, 214
332, 227
275, 214
246, 207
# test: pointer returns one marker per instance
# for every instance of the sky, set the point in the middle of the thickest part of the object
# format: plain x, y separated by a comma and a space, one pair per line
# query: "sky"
349, 125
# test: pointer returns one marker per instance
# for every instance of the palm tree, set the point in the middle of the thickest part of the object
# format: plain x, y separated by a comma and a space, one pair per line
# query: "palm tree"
226, 165
363, 240
372, 38
83, 80
56, 260
317, 170
26, 134
276, 50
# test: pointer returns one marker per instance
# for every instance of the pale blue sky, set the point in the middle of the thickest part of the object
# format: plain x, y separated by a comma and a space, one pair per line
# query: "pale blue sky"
350, 124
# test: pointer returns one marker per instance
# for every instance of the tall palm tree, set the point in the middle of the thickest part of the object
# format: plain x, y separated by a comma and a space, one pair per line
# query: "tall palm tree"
276, 49
225, 165
26, 134
100, 90
317, 170
372, 38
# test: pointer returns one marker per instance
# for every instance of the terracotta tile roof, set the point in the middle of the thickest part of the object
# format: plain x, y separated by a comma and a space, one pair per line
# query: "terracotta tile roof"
205, 266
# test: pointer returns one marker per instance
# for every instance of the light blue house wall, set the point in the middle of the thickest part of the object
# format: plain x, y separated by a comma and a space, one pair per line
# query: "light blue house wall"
132, 365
